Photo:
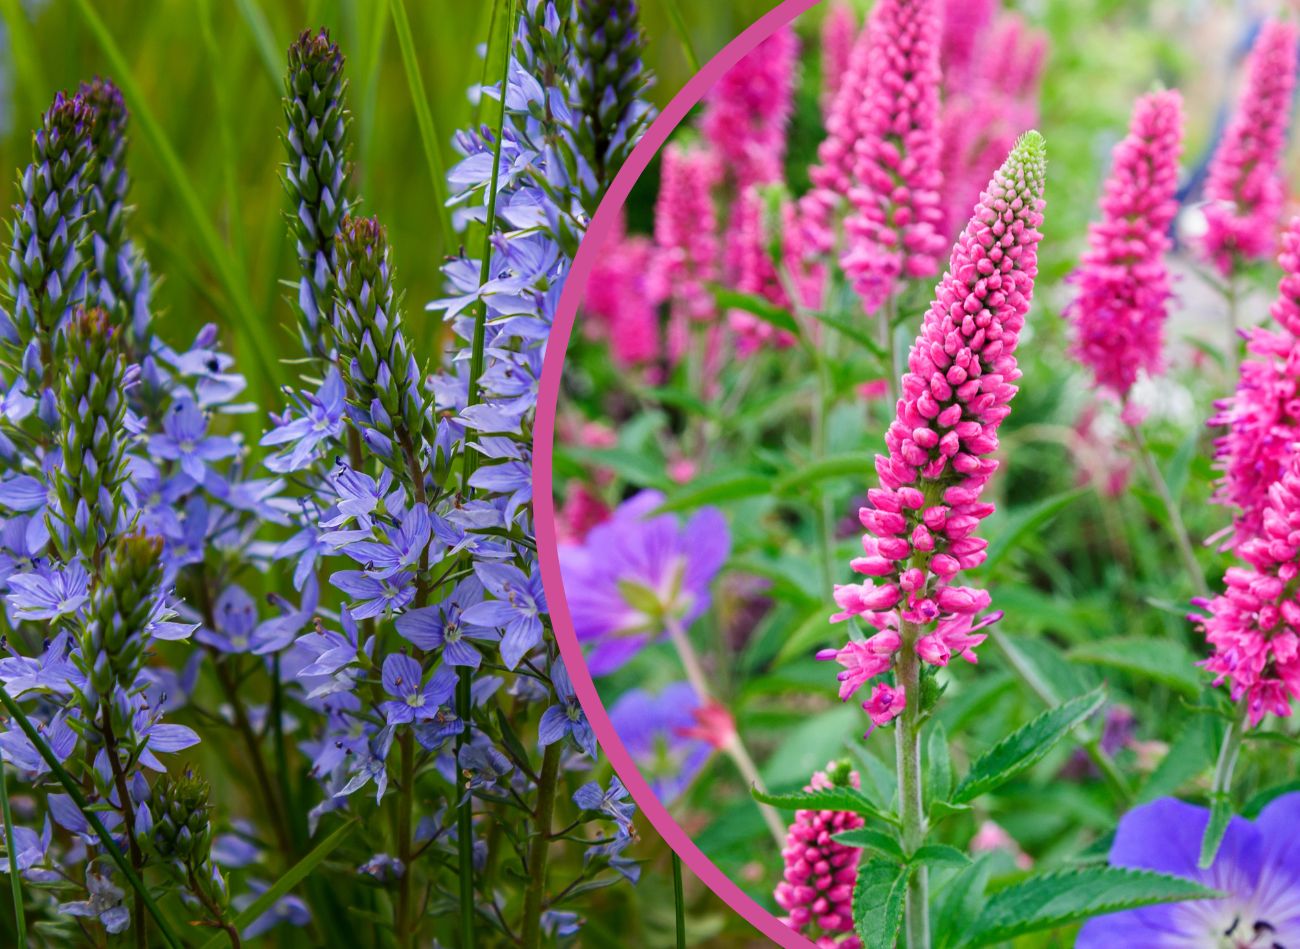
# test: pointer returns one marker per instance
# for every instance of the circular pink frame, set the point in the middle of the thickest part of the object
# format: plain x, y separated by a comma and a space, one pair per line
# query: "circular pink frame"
602, 223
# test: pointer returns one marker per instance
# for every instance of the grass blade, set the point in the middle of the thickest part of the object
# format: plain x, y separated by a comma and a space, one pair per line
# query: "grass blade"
263, 39
15, 882
105, 838
423, 117
295, 875
683, 34
678, 901
249, 325
22, 50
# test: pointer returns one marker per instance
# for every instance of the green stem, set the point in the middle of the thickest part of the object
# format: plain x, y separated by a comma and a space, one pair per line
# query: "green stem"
539, 850
678, 901
1176, 526
465, 819
407, 933
1234, 342
735, 746
1228, 753
15, 881
92, 817
911, 807
885, 329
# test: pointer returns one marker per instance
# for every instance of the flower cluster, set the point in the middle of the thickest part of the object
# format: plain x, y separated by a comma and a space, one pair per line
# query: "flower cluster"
922, 519
1262, 418
820, 872
1244, 187
686, 243
893, 232
1123, 281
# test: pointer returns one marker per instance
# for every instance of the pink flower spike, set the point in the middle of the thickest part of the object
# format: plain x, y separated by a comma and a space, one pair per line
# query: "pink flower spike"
816, 890
686, 259
839, 30
1244, 186
862, 661
1123, 282
893, 232
886, 703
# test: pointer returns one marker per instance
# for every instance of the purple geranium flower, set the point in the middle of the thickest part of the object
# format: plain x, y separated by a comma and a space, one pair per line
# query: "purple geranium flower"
519, 602
637, 570
566, 717
652, 729
1257, 870
320, 423
414, 699
443, 625
185, 439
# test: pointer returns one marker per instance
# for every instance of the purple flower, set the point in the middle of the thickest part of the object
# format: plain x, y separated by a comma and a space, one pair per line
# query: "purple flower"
372, 766
612, 803
635, 572
320, 423
516, 609
287, 909
415, 699
652, 729
308, 546
47, 593
374, 596
106, 902
153, 736
17, 749
443, 625
30, 849
1257, 869
405, 544
235, 618
53, 671
185, 439
566, 717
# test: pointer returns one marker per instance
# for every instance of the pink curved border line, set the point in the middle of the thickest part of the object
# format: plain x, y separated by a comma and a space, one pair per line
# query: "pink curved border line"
602, 223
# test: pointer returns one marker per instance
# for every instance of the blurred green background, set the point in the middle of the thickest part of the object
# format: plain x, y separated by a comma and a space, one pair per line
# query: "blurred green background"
208, 73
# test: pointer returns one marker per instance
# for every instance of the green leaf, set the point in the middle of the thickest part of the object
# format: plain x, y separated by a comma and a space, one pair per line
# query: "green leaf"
1163, 660
941, 809
1058, 899
15, 879
848, 465
960, 901
1261, 800
938, 782
1220, 816
826, 799
878, 903
940, 855
683, 34
869, 839
1026, 746
24, 56
1020, 522
756, 306
291, 878
729, 487
1189, 755
263, 39
855, 332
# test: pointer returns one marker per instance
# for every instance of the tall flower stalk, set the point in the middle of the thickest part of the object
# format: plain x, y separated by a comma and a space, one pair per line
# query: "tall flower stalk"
922, 519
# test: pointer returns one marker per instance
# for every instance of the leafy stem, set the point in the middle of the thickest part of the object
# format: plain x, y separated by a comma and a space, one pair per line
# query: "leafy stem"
911, 804
539, 849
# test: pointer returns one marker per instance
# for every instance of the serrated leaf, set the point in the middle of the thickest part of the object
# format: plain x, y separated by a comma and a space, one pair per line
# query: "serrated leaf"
1058, 899
825, 799
1026, 746
941, 809
868, 838
878, 903
1162, 660
960, 901
940, 855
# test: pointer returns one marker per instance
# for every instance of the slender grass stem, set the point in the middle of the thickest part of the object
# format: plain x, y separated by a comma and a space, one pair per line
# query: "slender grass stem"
679, 903
407, 932
735, 747
15, 881
683, 33
540, 848
92, 817
911, 807
1177, 529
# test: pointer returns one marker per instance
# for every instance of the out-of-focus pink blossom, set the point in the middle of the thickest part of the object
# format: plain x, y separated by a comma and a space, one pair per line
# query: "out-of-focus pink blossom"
1119, 314
623, 299
583, 509
839, 30
1254, 625
1244, 187
756, 274
873, 390
990, 97
681, 470
992, 836
816, 890
686, 239
893, 232
714, 725
747, 112
964, 24
1262, 417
